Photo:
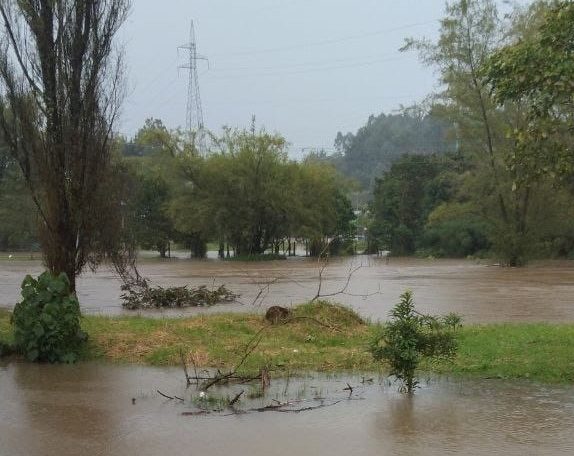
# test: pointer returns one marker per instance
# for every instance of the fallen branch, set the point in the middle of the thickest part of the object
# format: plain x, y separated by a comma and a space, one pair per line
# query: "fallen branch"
165, 395
139, 295
236, 398
306, 409
280, 407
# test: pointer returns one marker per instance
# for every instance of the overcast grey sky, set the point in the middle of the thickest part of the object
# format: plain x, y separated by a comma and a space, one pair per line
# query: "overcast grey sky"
304, 68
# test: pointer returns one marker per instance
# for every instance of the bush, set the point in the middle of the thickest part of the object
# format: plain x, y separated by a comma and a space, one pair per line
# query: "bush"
455, 238
411, 337
47, 320
342, 246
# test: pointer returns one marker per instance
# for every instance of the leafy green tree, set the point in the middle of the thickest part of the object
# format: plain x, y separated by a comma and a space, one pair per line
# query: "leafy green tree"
249, 195
403, 199
152, 227
470, 33
537, 70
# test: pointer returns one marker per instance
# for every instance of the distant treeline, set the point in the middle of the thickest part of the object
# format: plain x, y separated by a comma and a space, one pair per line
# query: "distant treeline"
370, 152
245, 195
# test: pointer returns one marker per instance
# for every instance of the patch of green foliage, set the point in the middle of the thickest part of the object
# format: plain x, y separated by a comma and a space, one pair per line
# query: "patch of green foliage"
47, 320
411, 337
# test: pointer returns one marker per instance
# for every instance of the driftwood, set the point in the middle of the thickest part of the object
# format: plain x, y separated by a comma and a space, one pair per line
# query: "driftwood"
139, 295
171, 398
281, 407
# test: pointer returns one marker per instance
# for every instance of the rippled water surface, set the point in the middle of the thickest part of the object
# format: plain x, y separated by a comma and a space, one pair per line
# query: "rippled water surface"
88, 410
480, 292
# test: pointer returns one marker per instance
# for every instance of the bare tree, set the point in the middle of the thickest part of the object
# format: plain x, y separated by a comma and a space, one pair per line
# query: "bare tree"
60, 90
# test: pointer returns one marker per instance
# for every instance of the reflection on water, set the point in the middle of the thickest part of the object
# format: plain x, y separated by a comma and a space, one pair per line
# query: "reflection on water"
480, 292
87, 409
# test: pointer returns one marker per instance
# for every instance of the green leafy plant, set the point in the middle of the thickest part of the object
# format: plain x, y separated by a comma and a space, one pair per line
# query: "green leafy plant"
411, 337
47, 320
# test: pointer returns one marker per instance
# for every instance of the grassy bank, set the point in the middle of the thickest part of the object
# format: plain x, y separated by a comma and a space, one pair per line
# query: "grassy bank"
321, 338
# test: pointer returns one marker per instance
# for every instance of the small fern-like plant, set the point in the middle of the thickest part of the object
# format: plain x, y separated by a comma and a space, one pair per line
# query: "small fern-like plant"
411, 337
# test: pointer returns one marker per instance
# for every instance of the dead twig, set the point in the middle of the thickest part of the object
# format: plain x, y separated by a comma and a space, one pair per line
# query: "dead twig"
187, 377
236, 398
171, 398
280, 407
323, 262
306, 409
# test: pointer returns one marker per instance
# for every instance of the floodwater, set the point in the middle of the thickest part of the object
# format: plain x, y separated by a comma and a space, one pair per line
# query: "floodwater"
481, 292
88, 410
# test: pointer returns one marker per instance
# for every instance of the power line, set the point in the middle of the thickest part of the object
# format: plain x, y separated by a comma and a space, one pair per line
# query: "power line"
313, 63
327, 42
314, 70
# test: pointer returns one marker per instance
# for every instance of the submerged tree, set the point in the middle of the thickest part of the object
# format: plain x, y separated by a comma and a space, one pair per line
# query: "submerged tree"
60, 88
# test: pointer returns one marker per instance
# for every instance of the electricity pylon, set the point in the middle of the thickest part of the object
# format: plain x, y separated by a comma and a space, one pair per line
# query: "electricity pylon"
194, 116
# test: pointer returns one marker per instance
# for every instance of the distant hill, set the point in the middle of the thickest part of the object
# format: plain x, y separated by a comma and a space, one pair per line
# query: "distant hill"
371, 151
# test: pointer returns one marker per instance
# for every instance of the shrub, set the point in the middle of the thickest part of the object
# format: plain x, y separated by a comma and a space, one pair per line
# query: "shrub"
410, 337
47, 320
455, 238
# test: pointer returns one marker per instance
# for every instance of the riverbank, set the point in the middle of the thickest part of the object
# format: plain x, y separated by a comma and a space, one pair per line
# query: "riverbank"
320, 338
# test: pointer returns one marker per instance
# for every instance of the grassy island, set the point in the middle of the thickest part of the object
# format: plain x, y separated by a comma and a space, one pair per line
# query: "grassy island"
319, 337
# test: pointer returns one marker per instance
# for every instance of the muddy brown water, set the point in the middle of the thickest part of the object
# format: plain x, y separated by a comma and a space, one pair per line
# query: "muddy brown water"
88, 410
479, 291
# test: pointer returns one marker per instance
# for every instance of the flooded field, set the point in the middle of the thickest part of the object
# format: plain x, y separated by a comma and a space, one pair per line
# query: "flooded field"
88, 409
95, 409
480, 292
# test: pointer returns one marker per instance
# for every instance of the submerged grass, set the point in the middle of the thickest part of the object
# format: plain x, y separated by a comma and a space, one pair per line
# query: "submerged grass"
540, 352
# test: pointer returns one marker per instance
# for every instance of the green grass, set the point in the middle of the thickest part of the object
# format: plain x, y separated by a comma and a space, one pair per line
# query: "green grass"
218, 341
5, 327
20, 256
540, 352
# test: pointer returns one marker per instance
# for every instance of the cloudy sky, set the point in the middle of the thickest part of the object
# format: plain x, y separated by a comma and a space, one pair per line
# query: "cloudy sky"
304, 68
